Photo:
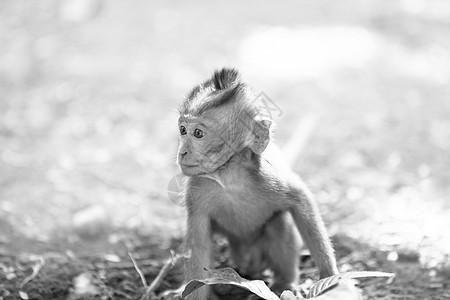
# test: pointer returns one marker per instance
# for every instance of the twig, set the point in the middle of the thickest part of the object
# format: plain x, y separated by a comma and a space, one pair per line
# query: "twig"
172, 261
36, 268
141, 274
150, 263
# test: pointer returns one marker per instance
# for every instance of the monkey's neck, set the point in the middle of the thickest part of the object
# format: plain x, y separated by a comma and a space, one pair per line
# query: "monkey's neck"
242, 163
245, 159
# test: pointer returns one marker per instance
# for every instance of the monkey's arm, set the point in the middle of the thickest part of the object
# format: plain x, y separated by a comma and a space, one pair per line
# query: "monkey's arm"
309, 222
199, 242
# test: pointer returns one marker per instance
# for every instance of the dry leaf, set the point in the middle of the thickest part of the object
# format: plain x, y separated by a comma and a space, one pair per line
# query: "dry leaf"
329, 282
230, 276
23, 295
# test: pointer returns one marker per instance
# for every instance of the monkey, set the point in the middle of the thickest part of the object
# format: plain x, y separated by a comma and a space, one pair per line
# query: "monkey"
238, 186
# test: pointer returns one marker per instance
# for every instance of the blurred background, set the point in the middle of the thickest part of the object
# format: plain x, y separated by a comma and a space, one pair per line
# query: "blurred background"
89, 91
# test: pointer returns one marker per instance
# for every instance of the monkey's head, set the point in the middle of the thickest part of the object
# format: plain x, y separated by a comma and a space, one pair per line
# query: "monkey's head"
218, 119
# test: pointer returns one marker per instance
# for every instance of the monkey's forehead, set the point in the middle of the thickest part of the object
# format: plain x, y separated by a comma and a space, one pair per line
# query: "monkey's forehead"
189, 118
194, 120
209, 117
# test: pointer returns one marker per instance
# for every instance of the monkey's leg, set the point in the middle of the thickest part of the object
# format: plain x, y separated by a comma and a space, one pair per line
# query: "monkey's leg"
283, 244
248, 256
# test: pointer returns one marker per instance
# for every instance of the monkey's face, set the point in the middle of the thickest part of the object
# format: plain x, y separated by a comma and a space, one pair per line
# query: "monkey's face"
205, 144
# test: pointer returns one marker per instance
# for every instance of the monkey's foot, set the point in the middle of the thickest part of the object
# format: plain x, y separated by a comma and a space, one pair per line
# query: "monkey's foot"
279, 287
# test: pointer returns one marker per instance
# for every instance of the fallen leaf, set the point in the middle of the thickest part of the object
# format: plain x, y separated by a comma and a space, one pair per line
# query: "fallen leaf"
230, 276
345, 290
23, 295
83, 285
327, 283
112, 258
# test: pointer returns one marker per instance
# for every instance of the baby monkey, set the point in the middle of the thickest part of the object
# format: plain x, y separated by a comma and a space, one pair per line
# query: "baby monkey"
238, 186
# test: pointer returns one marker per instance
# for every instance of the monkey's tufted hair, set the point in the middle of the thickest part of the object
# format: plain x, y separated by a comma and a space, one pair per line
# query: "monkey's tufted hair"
225, 86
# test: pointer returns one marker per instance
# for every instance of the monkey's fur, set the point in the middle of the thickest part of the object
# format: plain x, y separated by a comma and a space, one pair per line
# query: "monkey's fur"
237, 186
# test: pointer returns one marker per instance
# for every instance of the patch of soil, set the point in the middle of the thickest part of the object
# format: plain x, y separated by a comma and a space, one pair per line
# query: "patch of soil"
110, 273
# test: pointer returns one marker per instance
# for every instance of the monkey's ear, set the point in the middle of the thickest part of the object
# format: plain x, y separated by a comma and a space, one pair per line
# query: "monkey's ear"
261, 136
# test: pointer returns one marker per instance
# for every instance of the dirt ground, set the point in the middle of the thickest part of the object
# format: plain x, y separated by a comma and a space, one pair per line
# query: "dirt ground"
88, 95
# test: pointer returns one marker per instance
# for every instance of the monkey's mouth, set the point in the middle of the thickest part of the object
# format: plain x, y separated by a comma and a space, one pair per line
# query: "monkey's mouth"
190, 170
188, 166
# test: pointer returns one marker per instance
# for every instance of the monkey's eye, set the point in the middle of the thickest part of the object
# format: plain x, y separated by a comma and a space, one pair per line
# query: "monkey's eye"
198, 133
183, 130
